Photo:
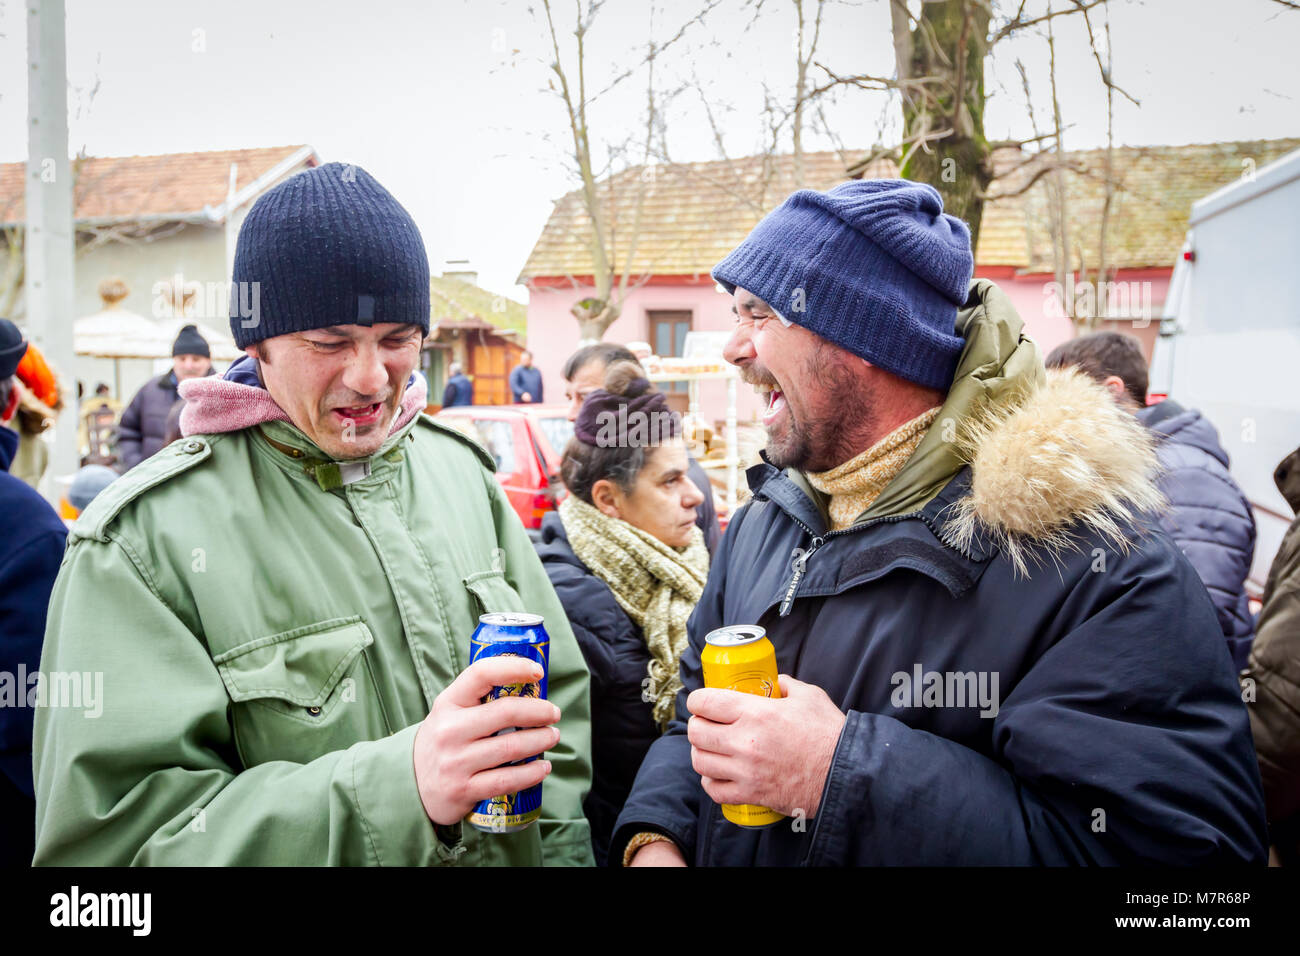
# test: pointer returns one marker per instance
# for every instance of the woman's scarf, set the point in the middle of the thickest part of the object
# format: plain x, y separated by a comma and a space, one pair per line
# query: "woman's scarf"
657, 585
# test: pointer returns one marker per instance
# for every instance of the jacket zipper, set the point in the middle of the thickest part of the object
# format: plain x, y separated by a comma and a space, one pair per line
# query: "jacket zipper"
819, 540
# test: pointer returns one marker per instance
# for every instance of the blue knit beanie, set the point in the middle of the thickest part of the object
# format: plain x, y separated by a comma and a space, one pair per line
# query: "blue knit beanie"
329, 246
874, 266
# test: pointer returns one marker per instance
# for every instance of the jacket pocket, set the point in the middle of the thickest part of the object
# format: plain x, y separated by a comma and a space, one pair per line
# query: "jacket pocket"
492, 592
302, 693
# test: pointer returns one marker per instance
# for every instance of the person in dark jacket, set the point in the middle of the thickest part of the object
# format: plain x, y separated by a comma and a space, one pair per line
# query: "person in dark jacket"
989, 654
143, 425
31, 550
628, 563
1272, 678
459, 390
1208, 514
526, 381
584, 371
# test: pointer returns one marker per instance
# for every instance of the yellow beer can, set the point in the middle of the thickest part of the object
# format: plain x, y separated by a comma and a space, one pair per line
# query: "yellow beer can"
740, 657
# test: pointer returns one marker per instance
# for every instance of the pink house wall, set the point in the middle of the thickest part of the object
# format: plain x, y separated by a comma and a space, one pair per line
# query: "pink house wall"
1036, 298
553, 331
553, 334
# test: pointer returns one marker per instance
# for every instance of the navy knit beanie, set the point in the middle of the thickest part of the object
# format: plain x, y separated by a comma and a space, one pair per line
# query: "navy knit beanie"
329, 246
874, 266
189, 342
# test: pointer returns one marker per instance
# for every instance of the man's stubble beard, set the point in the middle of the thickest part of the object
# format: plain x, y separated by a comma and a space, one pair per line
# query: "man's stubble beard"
825, 438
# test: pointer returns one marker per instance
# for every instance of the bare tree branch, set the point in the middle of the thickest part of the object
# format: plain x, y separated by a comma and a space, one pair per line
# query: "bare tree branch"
1019, 23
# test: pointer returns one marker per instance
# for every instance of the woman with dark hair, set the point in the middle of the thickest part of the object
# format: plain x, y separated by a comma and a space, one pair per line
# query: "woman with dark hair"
628, 563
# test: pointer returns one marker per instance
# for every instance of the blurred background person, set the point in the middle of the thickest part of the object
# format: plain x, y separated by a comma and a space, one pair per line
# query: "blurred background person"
525, 380
86, 485
459, 390
31, 550
1209, 517
584, 372
39, 403
628, 563
143, 425
1275, 669
98, 422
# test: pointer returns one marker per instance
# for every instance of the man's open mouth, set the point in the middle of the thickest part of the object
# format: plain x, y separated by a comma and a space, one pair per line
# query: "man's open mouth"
360, 414
775, 402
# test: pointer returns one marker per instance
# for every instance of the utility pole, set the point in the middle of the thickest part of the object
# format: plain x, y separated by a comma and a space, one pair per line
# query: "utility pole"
49, 243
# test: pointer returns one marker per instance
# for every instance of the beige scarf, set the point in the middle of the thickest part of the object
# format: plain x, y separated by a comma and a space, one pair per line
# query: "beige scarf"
657, 585
854, 485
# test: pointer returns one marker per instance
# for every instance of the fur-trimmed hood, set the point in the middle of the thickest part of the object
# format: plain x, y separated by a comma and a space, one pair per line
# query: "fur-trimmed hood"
1050, 453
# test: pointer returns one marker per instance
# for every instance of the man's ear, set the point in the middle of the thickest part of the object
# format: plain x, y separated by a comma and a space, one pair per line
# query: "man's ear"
606, 498
1115, 385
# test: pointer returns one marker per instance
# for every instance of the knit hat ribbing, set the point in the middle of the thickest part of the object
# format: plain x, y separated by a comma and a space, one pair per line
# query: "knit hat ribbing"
329, 246
189, 342
874, 266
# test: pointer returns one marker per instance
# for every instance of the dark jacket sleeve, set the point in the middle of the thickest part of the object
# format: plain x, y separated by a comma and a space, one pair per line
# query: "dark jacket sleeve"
667, 793
1108, 750
1275, 672
1211, 521
26, 580
517, 387
706, 517
449, 395
130, 431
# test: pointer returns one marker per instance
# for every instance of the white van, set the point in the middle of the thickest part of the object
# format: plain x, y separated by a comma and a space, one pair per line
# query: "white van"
1229, 340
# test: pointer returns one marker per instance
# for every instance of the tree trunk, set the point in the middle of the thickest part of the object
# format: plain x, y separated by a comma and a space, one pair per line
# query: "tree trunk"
943, 97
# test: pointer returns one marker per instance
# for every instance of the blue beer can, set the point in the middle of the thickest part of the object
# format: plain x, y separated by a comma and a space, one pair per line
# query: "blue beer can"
503, 634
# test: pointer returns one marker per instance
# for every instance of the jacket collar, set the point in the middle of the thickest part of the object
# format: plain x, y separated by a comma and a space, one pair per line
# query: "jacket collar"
300, 456
919, 541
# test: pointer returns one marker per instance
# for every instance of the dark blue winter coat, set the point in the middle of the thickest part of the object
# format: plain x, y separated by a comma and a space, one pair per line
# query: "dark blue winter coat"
459, 391
142, 429
526, 380
622, 723
1209, 517
30, 553
1117, 733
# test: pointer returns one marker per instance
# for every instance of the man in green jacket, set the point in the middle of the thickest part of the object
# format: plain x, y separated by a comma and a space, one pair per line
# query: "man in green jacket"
280, 603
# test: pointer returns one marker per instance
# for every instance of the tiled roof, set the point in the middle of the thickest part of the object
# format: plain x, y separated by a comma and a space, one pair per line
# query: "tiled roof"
454, 300
1155, 187
124, 188
693, 214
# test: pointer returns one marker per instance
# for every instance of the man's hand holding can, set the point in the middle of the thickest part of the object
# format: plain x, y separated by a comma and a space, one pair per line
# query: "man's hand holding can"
460, 760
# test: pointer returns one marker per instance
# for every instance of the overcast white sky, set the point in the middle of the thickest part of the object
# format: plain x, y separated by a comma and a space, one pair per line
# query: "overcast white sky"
446, 104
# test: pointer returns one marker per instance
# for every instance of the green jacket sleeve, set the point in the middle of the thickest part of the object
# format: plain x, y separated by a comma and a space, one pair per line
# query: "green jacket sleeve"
566, 835
147, 773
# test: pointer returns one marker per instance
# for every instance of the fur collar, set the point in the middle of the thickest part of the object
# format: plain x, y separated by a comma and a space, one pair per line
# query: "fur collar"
1055, 462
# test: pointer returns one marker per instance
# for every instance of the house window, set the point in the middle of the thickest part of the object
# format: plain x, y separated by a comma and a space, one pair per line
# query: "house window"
668, 338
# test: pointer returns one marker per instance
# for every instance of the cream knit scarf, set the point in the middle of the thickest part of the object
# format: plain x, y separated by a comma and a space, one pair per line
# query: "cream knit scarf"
657, 585
854, 485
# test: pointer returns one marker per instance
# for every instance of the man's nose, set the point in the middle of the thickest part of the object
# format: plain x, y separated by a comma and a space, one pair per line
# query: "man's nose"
366, 374
740, 347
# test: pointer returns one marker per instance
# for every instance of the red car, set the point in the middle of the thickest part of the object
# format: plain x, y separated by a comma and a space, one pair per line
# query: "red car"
527, 442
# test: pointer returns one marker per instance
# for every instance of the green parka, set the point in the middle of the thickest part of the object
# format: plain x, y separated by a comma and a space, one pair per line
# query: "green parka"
270, 640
